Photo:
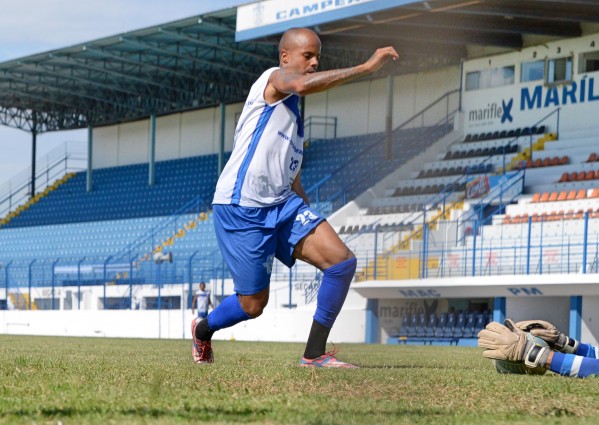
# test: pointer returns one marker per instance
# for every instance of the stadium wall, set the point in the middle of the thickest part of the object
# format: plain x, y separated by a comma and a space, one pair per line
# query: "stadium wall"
360, 108
547, 297
284, 325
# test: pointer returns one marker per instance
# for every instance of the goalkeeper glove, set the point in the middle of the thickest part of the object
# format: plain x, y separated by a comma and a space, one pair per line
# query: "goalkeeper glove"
549, 333
510, 343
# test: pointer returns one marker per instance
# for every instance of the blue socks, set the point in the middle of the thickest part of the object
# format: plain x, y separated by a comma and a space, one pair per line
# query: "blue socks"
331, 296
227, 314
333, 291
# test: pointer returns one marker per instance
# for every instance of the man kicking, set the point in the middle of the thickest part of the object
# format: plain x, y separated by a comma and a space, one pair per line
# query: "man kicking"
261, 211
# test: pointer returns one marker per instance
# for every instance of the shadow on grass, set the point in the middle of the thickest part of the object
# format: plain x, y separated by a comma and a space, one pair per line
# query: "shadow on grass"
206, 413
370, 366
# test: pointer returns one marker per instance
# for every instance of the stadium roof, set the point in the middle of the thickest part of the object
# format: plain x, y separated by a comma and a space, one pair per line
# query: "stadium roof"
196, 62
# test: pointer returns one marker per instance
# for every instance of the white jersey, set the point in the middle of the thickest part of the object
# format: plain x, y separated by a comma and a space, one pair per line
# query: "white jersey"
202, 300
267, 153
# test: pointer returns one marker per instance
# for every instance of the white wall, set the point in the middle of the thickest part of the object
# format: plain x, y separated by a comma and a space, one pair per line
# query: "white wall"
555, 310
178, 135
360, 108
275, 324
590, 320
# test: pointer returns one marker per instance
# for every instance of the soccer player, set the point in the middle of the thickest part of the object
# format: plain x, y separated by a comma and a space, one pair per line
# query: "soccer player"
260, 208
565, 355
202, 298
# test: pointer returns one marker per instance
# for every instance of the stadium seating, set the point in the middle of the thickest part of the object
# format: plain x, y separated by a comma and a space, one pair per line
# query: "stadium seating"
446, 327
524, 131
123, 193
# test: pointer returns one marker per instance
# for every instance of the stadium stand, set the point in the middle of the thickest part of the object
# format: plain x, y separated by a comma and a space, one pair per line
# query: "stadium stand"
443, 328
177, 182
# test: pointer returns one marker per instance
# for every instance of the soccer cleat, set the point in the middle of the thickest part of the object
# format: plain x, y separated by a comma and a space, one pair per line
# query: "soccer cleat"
201, 351
326, 360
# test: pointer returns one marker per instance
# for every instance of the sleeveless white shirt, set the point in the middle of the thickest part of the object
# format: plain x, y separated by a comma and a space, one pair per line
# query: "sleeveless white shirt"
267, 151
202, 299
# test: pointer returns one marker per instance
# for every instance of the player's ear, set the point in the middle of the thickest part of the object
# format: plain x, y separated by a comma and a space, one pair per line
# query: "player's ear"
284, 57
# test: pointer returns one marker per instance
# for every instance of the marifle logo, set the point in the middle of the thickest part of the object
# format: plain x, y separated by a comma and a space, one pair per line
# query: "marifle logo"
306, 217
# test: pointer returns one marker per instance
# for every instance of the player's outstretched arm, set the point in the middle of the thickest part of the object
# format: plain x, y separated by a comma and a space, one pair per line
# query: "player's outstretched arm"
292, 82
574, 366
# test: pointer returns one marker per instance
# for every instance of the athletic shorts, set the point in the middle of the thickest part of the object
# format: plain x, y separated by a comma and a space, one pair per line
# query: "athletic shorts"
202, 314
251, 238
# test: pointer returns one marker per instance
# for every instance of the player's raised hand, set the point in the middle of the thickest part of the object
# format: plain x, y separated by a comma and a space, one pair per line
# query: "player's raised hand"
381, 57
549, 333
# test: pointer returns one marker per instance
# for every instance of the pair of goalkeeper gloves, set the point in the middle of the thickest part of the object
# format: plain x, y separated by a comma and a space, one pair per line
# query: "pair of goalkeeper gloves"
515, 342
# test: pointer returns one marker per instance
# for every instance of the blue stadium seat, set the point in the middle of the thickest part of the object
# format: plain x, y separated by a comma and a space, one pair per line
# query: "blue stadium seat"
458, 329
421, 328
441, 323
470, 329
412, 328
451, 320
431, 325
405, 324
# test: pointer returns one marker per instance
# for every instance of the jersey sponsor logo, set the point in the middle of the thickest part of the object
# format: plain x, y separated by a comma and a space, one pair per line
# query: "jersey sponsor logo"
306, 217
286, 137
294, 164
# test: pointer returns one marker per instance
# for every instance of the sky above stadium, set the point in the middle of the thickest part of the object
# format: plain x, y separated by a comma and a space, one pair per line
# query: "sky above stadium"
35, 26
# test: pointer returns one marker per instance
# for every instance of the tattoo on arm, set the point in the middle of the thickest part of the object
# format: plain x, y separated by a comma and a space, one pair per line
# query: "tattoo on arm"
318, 81
327, 79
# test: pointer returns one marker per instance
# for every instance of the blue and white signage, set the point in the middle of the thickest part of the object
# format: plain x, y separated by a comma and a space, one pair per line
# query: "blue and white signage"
269, 17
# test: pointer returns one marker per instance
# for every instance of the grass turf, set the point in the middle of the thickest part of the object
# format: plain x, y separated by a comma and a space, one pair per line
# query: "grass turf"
47, 380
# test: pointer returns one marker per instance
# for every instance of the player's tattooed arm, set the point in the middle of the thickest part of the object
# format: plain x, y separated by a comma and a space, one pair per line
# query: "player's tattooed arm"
290, 82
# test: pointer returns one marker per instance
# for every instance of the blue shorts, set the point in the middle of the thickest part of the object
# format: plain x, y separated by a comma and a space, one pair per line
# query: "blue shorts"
202, 314
250, 239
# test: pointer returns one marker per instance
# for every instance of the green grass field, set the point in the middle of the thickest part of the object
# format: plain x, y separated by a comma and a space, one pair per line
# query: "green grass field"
83, 380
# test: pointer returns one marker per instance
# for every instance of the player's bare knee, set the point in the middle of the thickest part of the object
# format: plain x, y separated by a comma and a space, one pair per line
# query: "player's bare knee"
347, 255
254, 305
255, 309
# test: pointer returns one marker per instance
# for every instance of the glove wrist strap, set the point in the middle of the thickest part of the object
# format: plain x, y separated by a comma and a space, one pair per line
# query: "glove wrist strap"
570, 346
536, 356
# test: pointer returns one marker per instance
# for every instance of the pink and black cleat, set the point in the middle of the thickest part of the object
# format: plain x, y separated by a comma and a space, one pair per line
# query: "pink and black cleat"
201, 351
326, 360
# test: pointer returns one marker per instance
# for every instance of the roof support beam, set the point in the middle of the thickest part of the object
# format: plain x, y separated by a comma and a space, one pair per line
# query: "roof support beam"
166, 52
183, 36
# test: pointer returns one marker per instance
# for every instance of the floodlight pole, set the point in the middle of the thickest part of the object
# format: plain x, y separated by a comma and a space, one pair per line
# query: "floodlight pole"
105, 276
389, 117
6, 281
79, 283
190, 278
221, 150
54, 279
33, 152
30, 279
90, 150
152, 171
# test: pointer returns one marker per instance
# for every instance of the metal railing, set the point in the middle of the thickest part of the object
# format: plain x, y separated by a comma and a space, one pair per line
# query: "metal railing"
320, 127
67, 158
331, 191
539, 245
